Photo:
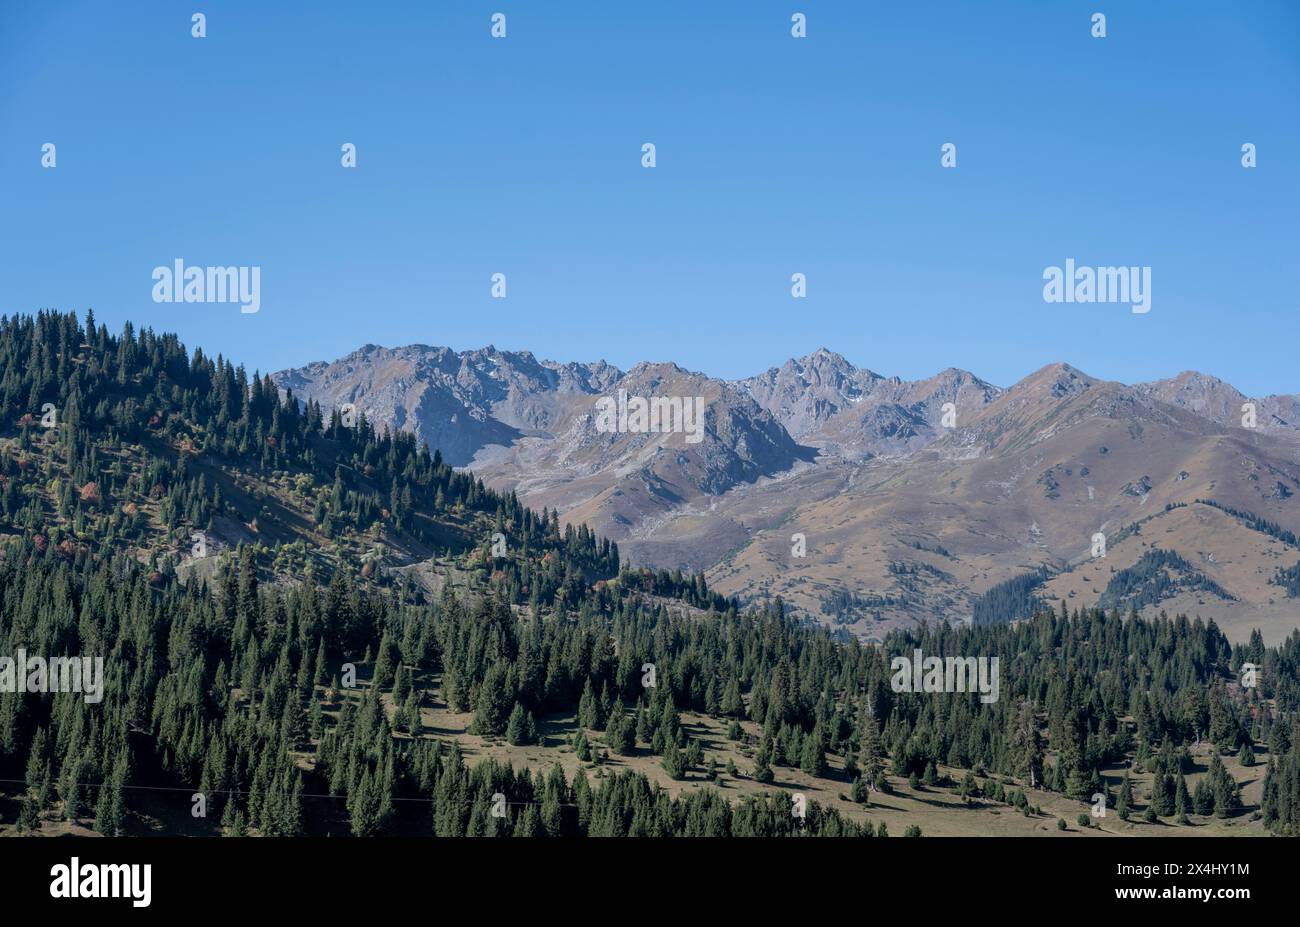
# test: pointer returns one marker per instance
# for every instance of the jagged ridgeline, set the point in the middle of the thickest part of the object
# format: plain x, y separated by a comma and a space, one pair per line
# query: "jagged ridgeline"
227, 682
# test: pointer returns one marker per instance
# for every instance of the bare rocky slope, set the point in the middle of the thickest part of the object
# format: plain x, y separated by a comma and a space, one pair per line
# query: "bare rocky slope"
910, 500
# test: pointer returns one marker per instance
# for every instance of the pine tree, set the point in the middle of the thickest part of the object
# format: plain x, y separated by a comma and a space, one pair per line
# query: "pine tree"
491, 713
316, 720
29, 816
606, 704
672, 762
1162, 798
38, 763
412, 710
618, 732
813, 760
528, 823
519, 730
858, 793
871, 753
1203, 797
1227, 793
1182, 799
580, 745
363, 805
1225, 731
733, 706
1026, 746
762, 762
644, 730
401, 684
589, 709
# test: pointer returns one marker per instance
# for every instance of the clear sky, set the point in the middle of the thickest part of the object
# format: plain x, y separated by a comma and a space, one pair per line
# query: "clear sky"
775, 155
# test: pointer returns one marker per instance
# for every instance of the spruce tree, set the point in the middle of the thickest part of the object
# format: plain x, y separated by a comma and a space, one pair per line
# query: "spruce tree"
1203, 797
517, 728
589, 709
762, 763
813, 760
673, 762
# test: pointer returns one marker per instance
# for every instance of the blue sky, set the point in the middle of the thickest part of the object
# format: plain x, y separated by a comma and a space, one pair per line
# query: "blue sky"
775, 155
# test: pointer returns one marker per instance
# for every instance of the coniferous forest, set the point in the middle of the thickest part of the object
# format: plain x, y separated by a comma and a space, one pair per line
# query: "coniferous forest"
281, 598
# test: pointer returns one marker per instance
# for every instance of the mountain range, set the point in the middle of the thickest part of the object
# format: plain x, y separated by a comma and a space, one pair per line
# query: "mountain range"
870, 501
294, 601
